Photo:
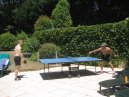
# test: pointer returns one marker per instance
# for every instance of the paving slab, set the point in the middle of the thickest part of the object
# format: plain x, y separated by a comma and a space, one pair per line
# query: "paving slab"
55, 84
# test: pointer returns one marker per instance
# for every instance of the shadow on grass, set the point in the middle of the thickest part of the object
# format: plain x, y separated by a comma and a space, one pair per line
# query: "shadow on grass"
65, 74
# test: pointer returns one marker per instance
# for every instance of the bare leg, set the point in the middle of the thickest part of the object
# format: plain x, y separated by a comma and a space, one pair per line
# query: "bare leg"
101, 66
17, 68
111, 67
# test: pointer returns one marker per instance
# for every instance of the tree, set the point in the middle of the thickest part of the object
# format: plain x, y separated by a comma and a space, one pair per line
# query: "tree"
3, 21
43, 23
61, 14
91, 12
26, 15
6, 20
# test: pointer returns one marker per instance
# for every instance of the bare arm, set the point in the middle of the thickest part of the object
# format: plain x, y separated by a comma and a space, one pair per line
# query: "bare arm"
94, 51
112, 52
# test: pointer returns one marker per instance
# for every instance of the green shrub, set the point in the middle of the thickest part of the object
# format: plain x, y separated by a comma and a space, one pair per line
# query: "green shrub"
7, 41
33, 57
43, 23
61, 16
127, 22
48, 50
78, 41
31, 45
22, 36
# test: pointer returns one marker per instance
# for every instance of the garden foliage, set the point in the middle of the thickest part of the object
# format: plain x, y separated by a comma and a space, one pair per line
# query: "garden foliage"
31, 45
22, 36
78, 41
43, 23
49, 50
61, 16
7, 41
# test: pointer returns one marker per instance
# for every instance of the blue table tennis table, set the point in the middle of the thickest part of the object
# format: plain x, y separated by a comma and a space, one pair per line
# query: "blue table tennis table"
67, 61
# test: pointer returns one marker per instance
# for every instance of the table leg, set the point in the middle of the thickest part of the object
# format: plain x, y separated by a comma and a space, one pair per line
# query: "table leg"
48, 68
61, 68
95, 69
100, 88
78, 71
69, 71
44, 68
85, 66
108, 95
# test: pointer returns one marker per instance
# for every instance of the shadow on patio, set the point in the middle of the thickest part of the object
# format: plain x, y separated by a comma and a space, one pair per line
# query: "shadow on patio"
64, 74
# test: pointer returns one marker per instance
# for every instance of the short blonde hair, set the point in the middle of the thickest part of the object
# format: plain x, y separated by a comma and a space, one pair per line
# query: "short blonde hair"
20, 41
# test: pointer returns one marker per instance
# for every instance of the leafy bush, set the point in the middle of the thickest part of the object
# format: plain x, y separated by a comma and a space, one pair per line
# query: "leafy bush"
7, 41
31, 45
33, 57
78, 41
127, 22
61, 15
22, 36
43, 22
48, 50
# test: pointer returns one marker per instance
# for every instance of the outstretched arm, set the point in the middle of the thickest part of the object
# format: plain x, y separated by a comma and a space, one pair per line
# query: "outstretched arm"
94, 51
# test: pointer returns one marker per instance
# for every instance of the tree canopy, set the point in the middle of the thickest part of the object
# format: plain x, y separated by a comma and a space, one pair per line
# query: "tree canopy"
17, 15
61, 15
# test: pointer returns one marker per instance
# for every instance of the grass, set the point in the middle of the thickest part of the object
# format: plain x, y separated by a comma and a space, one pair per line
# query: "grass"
29, 66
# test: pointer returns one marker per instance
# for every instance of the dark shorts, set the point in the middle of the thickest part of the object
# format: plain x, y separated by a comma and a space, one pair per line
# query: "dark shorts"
107, 58
17, 60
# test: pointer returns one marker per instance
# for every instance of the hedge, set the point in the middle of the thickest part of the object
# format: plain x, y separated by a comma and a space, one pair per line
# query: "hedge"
78, 41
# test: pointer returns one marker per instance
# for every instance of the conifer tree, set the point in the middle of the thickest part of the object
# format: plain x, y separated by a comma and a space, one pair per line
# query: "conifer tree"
61, 14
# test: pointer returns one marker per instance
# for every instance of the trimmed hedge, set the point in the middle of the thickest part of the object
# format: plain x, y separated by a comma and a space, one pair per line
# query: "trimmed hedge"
78, 41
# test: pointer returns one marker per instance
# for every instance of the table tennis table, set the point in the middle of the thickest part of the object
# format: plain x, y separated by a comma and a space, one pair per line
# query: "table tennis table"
67, 61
